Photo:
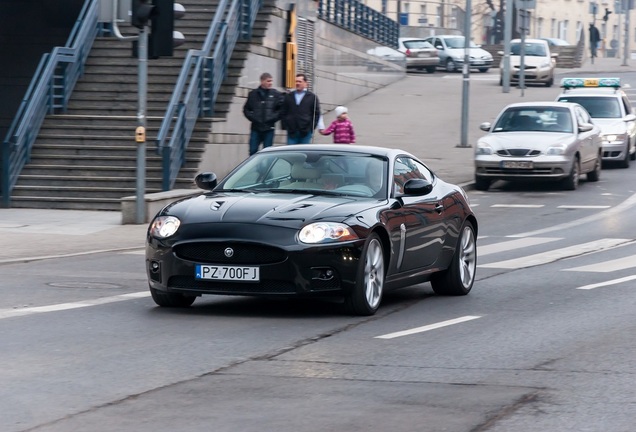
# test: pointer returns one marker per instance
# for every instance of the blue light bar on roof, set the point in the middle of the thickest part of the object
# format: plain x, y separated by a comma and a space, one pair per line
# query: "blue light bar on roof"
570, 83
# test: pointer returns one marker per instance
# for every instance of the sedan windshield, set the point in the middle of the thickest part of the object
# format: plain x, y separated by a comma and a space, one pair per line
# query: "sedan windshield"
597, 107
458, 42
535, 119
338, 173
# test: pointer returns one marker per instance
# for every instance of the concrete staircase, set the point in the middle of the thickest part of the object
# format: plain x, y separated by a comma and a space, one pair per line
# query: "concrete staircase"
87, 157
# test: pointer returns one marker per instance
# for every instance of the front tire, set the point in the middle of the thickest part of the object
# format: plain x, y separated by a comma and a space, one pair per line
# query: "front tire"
367, 292
165, 299
483, 70
482, 184
595, 174
431, 69
459, 277
450, 65
571, 182
625, 162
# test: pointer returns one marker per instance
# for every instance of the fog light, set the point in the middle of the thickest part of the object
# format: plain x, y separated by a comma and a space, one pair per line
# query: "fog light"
154, 266
323, 273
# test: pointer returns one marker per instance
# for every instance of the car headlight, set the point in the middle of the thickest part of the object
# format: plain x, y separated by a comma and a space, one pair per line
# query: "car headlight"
613, 138
326, 232
164, 226
483, 149
555, 151
545, 64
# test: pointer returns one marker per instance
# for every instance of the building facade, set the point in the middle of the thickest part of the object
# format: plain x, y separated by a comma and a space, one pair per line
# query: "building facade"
562, 19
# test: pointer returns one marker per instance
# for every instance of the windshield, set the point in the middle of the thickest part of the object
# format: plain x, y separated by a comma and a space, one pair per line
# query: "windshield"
535, 119
335, 173
597, 107
531, 49
458, 42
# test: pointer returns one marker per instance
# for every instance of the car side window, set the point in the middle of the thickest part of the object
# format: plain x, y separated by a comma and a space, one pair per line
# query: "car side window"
406, 168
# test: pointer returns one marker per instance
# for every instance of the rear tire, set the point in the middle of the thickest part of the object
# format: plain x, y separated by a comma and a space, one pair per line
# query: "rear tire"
367, 292
431, 69
459, 277
165, 299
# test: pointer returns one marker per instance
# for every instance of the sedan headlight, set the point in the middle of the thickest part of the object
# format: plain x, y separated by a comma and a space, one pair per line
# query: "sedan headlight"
545, 64
164, 226
614, 138
555, 151
325, 232
483, 149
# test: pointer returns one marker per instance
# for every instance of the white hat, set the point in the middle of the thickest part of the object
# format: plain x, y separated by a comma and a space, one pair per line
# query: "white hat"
340, 110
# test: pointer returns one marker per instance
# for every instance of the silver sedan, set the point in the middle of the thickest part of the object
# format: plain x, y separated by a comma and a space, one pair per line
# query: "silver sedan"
539, 140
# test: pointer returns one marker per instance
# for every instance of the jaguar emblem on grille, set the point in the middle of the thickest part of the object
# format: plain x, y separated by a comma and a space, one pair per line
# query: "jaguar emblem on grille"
229, 252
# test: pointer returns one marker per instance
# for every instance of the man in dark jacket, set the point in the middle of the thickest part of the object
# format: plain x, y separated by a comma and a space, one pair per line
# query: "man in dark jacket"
262, 109
300, 113
595, 38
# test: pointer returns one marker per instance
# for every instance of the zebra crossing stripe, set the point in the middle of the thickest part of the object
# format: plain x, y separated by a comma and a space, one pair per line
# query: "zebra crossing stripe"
555, 255
607, 266
607, 283
513, 244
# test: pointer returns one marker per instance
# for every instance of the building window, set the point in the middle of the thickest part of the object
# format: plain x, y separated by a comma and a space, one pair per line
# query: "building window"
540, 27
553, 27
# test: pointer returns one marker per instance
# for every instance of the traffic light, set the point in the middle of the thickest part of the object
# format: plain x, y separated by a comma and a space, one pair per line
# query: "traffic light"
160, 15
607, 13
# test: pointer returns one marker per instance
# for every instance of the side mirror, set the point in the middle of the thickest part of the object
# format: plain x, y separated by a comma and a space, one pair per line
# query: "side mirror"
629, 117
554, 55
439, 47
417, 187
500, 53
585, 127
206, 180
485, 126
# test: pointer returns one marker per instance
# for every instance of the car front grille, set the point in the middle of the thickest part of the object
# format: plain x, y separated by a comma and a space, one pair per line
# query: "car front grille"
242, 253
188, 283
518, 152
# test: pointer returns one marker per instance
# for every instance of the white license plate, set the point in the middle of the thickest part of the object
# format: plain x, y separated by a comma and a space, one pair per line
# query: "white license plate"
517, 164
478, 62
227, 273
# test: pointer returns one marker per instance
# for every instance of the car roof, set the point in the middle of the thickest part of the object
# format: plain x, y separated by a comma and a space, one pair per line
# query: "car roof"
554, 104
403, 39
355, 148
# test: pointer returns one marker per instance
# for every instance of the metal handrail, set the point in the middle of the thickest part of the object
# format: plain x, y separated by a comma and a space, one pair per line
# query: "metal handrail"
49, 92
199, 82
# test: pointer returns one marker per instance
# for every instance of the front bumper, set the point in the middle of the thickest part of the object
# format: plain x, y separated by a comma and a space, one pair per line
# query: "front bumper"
530, 76
615, 151
543, 167
309, 270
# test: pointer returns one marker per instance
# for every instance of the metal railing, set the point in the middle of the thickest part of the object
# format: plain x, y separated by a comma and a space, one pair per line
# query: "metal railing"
48, 93
200, 80
361, 19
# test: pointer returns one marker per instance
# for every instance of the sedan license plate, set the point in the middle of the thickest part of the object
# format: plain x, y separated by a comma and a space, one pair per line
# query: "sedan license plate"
516, 164
227, 273
478, 62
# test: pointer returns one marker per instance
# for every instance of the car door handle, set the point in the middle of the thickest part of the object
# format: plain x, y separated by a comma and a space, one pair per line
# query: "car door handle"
439, 207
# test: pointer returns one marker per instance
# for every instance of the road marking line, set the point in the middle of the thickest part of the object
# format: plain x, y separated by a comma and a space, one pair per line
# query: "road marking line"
607, 266
10, 313
513, 244
517, 205
555, 255
610, 282
583, 206
428, 327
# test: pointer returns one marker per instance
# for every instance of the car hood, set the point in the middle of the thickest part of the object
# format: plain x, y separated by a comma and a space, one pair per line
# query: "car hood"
526, 140
275, 209
528, 61
611, 125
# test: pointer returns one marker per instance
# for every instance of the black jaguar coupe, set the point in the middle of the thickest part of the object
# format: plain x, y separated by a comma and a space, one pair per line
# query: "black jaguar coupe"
342, 221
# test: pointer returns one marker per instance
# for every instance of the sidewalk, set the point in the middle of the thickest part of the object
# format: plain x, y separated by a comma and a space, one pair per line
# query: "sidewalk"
420, 114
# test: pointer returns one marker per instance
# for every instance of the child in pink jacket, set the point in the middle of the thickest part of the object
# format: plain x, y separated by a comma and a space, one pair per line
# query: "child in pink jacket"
341, 127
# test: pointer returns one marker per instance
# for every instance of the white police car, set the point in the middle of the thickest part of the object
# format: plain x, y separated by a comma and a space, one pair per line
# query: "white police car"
610, 109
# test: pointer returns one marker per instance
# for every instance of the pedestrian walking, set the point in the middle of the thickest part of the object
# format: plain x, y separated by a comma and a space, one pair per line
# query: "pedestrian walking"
341, 127
300, 113
263, 109
595, 38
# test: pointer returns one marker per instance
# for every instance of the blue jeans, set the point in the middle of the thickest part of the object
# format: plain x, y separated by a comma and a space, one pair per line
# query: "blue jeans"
297, 138
256, 137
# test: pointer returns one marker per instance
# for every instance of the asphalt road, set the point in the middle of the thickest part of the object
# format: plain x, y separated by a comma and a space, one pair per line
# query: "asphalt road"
543, 342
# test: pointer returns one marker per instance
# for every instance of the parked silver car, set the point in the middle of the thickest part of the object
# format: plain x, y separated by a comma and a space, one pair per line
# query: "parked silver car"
419, 54
537, 141
450, 49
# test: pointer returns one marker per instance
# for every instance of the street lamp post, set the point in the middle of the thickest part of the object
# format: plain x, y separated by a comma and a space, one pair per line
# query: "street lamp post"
466, 75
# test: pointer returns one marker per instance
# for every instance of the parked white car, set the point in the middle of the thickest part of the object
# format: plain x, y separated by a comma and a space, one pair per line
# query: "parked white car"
539, 62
